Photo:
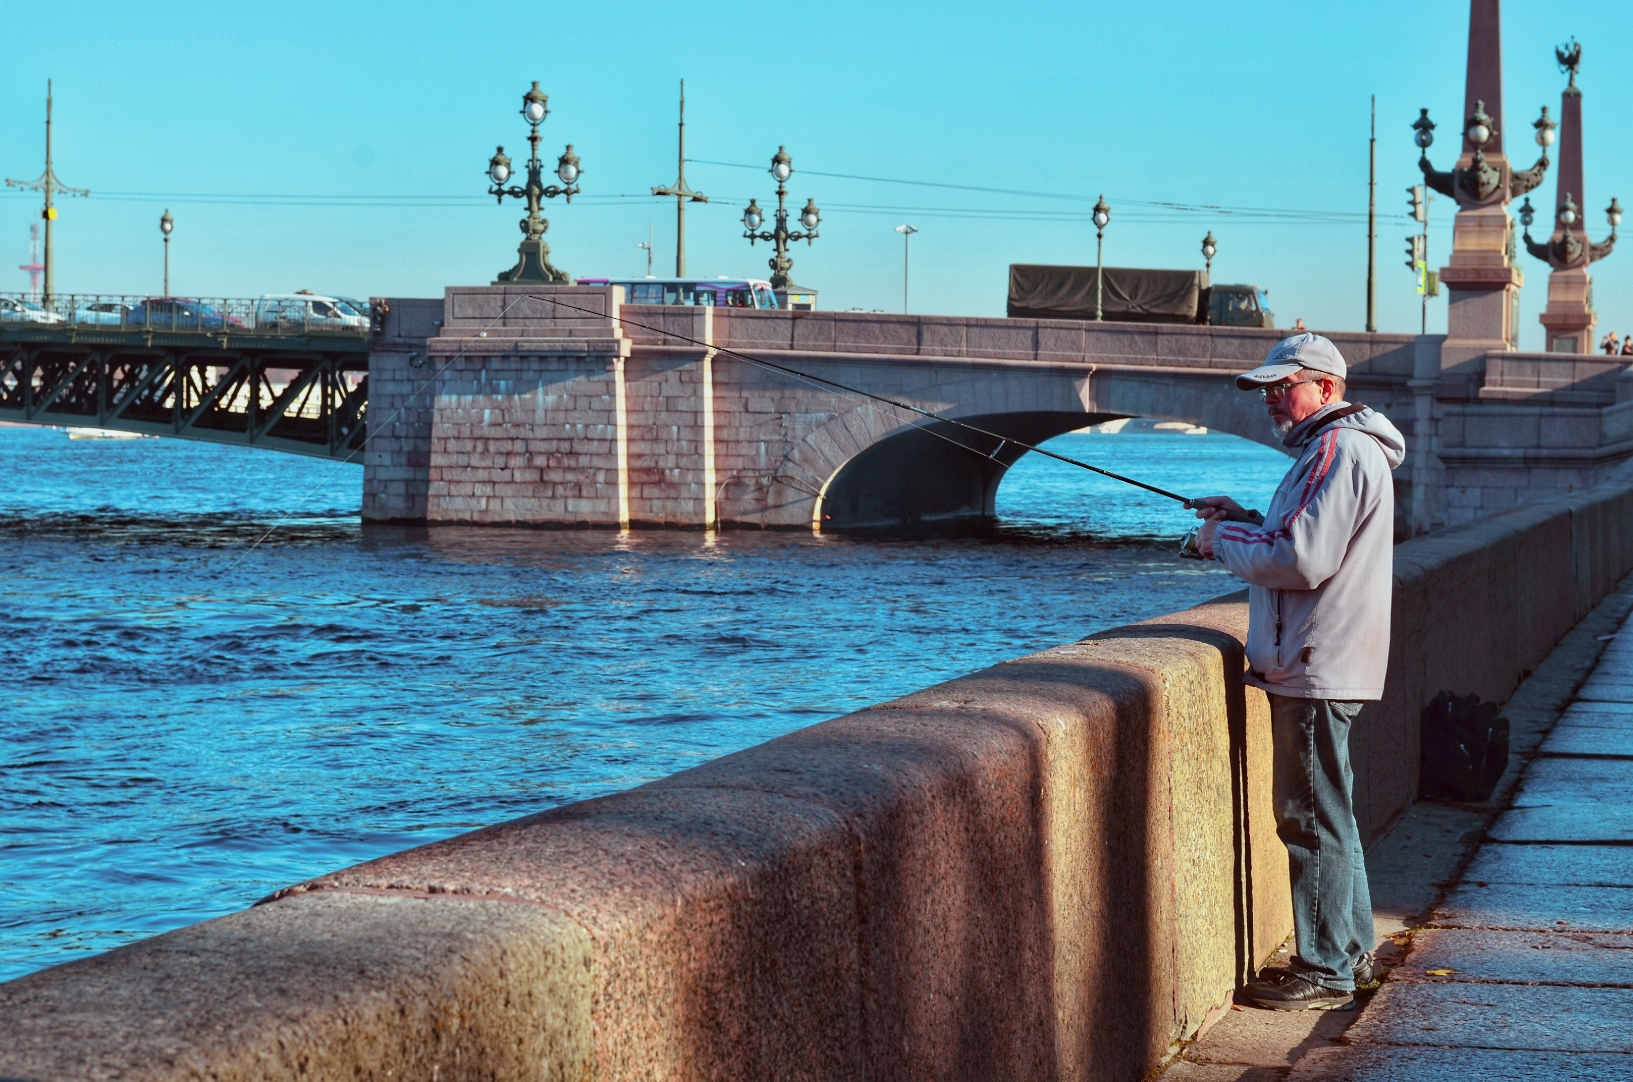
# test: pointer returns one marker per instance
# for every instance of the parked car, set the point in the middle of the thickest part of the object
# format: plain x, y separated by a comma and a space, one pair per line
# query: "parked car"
308, 311
178, 313
103, 313
14, 310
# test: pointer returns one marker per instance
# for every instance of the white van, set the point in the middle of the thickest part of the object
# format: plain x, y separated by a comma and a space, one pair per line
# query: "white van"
305, 310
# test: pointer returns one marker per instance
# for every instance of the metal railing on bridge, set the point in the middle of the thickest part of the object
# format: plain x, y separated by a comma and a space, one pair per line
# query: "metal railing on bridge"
286, 314
288, 373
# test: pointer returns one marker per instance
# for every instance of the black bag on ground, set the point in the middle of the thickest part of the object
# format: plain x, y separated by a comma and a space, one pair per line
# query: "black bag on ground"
1464, 749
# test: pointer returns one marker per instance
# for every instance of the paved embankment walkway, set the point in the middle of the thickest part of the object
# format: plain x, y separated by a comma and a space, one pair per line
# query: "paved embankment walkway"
1522, 965
1526, 968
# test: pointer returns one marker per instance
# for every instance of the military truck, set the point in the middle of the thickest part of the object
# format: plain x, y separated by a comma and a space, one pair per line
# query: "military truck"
1134, 295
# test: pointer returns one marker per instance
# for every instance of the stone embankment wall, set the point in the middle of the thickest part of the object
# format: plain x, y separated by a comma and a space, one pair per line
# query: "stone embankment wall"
1050, 869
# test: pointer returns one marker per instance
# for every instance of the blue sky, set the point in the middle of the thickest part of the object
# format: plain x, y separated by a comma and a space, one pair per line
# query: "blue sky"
342, 147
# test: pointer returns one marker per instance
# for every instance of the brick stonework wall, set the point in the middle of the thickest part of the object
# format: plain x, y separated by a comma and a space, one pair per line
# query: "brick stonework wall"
525, 438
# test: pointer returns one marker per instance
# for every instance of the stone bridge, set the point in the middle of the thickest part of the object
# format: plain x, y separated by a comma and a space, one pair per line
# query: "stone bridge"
497, 405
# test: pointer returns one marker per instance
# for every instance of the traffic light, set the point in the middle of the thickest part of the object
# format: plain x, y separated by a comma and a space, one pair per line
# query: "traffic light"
1419, 207
1415, 249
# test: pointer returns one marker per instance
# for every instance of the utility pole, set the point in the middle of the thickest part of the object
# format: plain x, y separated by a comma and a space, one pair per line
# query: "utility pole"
681, 192
1372, 221
49, 185
1431, 284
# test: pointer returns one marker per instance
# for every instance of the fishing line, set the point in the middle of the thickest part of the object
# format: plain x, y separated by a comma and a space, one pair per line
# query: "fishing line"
828, 383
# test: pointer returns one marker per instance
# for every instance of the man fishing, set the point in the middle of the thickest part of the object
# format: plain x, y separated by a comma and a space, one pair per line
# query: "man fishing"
1320, 574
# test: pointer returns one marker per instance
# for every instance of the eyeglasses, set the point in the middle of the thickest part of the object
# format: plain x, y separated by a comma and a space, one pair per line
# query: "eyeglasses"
1280, 389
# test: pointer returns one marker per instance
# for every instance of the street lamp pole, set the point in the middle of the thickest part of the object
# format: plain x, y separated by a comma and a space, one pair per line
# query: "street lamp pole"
647, 244
782, 167
907, 232
166, 224
1102, 215
533, 255
1209, 247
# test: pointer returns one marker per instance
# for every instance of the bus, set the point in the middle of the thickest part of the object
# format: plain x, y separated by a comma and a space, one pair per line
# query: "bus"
710, 292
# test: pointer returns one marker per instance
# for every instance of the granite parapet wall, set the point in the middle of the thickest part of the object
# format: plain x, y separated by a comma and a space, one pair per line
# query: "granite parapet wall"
1053, 868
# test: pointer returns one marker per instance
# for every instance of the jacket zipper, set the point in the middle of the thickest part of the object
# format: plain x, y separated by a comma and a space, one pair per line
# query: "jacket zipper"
1279, 661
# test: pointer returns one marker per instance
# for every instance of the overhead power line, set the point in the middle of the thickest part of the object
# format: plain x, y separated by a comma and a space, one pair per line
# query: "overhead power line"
1198, 208
1151, 211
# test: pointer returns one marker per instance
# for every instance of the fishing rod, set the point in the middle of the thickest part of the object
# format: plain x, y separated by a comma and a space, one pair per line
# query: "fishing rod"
1252, 517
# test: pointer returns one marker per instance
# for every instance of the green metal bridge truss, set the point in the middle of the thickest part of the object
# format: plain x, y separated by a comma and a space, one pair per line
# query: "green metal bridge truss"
304, 394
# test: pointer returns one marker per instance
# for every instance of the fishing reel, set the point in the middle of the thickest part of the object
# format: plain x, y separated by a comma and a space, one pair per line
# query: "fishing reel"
1190, 550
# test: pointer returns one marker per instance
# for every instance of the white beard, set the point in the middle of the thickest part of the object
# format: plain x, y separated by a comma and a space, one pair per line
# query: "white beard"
1281, 428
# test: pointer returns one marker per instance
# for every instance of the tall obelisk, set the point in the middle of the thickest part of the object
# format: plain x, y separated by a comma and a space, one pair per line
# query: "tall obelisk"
1482, 277
1569, 318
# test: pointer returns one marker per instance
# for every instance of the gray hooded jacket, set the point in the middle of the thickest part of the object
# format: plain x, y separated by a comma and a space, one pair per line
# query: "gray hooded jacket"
1321, 568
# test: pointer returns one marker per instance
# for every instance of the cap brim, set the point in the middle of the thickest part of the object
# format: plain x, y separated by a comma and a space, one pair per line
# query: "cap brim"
1266, 373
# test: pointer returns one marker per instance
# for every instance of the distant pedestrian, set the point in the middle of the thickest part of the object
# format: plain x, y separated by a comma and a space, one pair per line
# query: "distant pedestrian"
1610, 344
1627, 345
1320, 574
1298, 325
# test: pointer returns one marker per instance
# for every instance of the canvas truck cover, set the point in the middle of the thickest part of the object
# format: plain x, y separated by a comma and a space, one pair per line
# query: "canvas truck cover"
1132, 294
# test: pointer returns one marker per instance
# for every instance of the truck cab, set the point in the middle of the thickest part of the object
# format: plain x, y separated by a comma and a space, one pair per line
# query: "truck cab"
1239, 306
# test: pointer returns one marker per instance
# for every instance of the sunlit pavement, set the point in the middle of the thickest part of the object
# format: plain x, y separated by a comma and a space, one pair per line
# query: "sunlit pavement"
1522, 965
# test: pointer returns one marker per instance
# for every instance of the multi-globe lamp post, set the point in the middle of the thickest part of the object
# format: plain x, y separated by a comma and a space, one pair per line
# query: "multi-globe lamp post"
782, 167
533, 255
166, 224
1567, 215
1102, 215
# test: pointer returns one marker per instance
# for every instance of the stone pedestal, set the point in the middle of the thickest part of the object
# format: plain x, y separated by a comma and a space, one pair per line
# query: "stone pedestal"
1482, 314
1570, 318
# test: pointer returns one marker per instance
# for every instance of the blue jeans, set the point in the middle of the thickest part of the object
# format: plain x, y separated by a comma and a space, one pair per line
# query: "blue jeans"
1315, 817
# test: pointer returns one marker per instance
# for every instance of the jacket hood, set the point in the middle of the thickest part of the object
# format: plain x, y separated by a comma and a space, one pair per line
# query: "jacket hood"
1366, 419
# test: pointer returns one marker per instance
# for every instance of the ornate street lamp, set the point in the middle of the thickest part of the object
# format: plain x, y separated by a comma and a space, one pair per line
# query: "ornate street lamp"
1479, 181
166, 224
1208, 249
1613, 215
533, 255
1102, 215
782, 167
1545, 130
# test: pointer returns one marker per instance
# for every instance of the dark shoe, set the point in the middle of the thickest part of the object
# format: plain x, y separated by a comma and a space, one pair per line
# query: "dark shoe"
1368, 975
1281, 990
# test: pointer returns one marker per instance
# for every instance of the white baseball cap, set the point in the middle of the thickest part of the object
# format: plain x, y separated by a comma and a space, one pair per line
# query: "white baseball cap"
1305, 350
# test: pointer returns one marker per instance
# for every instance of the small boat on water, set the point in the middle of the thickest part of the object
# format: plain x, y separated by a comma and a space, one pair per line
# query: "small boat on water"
105, 434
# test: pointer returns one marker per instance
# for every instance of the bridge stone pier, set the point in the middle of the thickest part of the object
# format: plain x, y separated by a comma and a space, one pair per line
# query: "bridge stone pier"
536, 406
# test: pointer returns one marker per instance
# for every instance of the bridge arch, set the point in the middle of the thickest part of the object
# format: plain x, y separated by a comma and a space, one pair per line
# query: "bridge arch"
870, 467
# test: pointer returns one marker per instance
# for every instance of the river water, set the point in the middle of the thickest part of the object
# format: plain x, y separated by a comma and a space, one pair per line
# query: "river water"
193, 720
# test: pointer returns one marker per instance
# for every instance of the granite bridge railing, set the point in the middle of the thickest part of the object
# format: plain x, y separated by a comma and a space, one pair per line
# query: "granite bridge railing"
1051, 869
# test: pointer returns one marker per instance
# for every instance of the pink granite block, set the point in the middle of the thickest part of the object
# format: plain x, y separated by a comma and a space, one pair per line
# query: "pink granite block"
1060, 340
814, 330
723, 924
1004, 338
876, 333
1121, 343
